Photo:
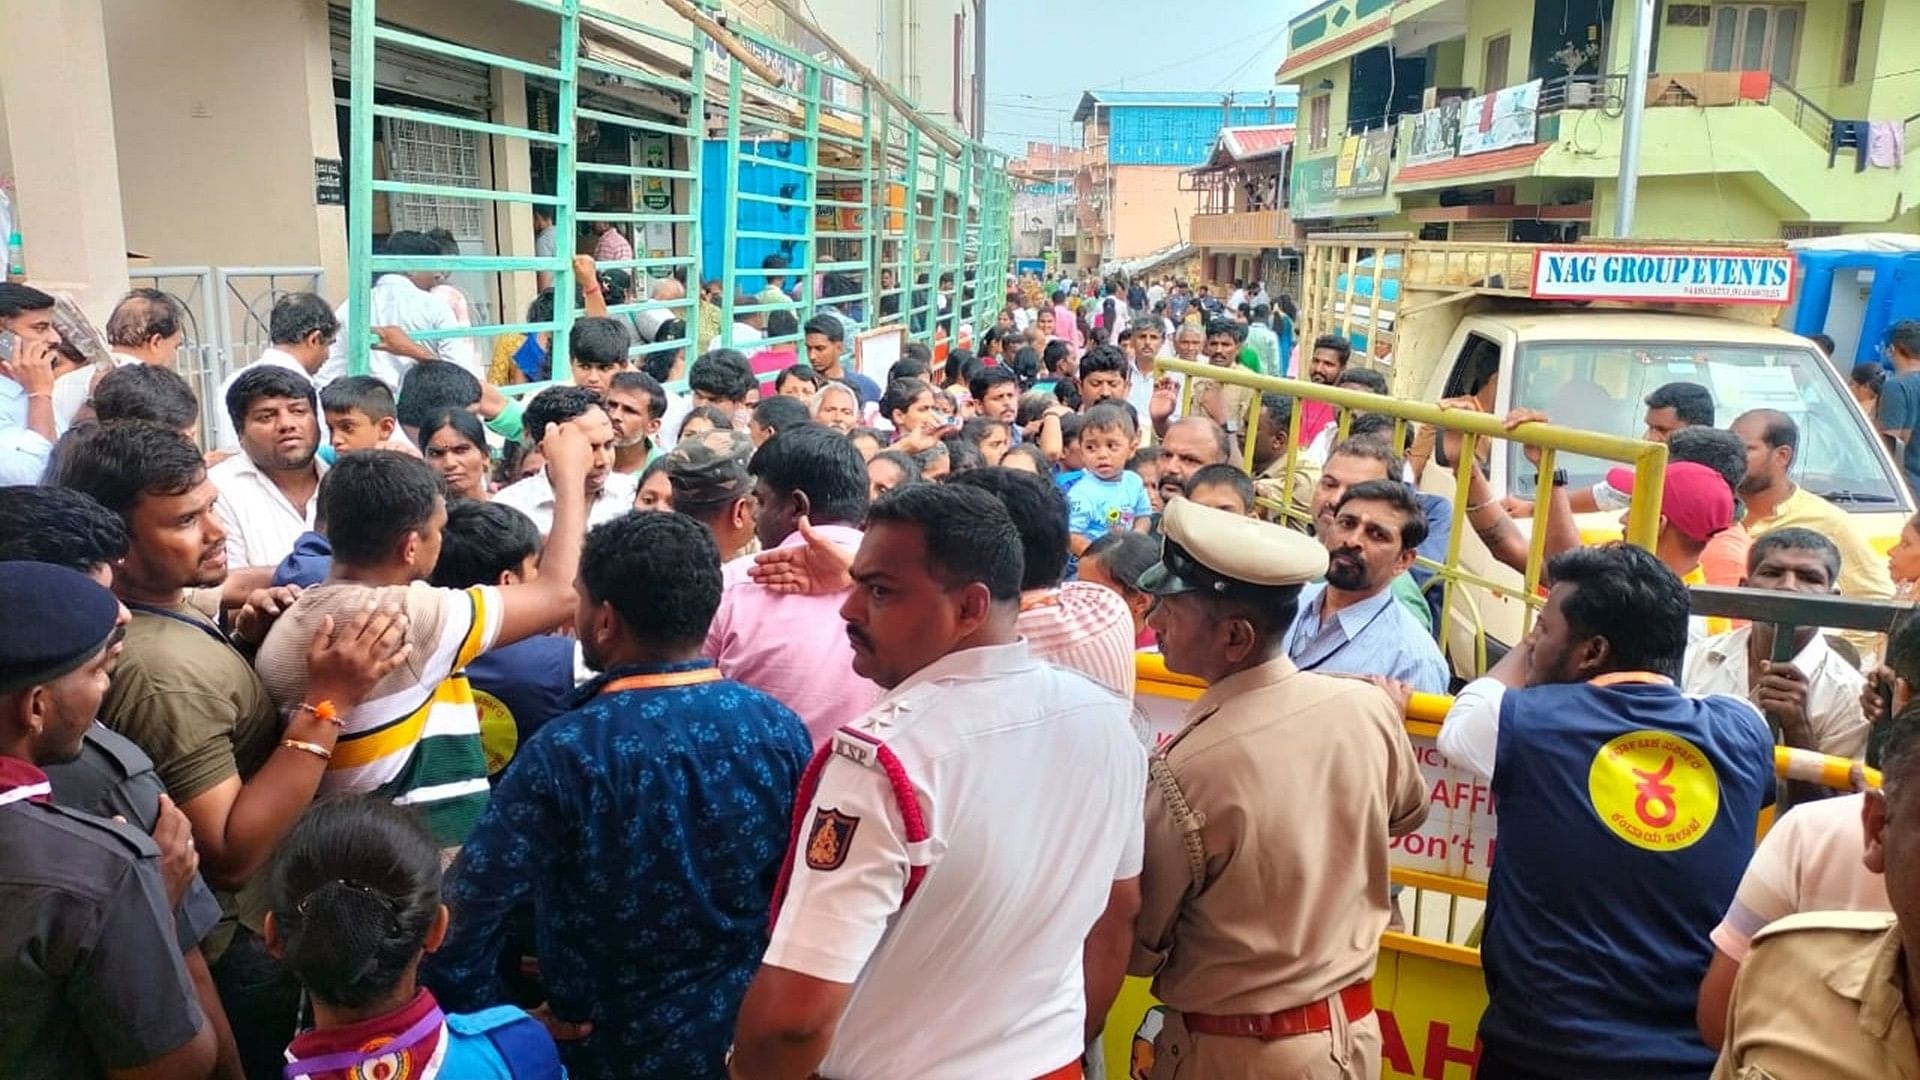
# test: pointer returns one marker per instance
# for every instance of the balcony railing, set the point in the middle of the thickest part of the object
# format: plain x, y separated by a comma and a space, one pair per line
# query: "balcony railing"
1251, 228
1582, 92
1816, 123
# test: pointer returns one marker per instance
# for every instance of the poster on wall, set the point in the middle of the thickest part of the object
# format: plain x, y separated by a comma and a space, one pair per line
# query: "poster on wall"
1433, 135
654, 153
1362, 168
1498, 120
1313, 188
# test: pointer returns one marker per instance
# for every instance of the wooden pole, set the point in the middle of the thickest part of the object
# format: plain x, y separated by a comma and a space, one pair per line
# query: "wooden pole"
866, 74
760, 68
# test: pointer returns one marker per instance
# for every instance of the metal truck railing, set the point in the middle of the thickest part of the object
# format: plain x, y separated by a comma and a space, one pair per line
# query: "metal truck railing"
1462, 591
727, 130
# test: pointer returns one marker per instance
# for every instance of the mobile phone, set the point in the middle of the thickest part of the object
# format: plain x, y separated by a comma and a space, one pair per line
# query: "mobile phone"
8, 341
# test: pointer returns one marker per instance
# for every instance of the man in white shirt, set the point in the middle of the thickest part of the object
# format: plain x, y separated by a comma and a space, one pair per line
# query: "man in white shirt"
267, 490
983, 821
405, 301
1239, 297
27, 338
1813, 699
301, 329
146, 327
609, 493
749, 327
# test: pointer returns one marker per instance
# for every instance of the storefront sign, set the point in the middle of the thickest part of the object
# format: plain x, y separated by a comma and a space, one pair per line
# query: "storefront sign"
1499, 120
1313, 188
1663, 275
329, 182
1362, 168
1433, 135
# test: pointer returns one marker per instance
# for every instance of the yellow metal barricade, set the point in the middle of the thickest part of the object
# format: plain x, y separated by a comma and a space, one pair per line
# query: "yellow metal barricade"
1470, 589
1428, 987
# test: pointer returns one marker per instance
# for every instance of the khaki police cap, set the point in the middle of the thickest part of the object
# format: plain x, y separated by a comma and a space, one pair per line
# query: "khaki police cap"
1213, 551
710, 467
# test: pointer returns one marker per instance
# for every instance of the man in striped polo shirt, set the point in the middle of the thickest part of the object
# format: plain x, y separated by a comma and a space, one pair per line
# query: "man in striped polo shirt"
416, 737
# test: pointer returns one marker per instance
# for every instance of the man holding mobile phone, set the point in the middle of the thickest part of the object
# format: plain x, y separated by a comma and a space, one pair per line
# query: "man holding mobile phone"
27, 338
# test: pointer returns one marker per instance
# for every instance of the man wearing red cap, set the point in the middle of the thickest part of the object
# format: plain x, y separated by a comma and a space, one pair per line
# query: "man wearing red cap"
1695, 506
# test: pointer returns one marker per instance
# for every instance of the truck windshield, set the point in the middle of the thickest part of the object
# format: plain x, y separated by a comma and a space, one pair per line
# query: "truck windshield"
1600, 386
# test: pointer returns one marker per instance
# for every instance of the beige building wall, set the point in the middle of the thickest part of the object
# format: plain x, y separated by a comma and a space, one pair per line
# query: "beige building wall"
1147, 210
217, 124
910, 45
53, 66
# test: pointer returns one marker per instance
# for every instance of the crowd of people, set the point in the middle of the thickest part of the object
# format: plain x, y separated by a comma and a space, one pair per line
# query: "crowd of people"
784, 725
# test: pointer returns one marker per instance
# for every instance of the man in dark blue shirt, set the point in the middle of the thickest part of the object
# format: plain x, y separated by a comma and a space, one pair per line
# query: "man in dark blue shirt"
1900, 398
1627, 814
647, 825
518, 687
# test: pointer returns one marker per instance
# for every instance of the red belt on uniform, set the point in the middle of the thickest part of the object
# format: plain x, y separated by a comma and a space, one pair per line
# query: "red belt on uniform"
1356, 1001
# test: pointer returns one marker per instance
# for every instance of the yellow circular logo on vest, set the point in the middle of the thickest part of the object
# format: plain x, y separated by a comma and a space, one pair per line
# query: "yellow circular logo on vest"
1655, 790
499, 735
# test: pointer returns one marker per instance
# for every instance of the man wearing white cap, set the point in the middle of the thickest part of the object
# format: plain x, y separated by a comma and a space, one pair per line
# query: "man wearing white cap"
1255, 988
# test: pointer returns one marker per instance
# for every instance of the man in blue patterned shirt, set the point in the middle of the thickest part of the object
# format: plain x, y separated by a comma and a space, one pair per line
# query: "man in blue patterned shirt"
647, 825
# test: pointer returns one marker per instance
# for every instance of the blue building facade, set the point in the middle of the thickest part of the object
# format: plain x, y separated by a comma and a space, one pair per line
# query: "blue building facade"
1146, 127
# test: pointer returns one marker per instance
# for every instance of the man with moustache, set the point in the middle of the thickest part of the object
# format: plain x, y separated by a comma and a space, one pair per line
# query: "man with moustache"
1253, 988
185, 694
267, 491
1324, 367
1350, 624
1189, 445
982, 821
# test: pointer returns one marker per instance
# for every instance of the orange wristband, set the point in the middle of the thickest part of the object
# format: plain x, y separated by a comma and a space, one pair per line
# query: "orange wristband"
322, 711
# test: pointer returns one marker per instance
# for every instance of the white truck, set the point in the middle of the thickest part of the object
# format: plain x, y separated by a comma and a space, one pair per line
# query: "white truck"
1584, 333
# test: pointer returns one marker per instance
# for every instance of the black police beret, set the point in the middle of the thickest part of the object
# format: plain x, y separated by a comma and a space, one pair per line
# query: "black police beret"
52, 620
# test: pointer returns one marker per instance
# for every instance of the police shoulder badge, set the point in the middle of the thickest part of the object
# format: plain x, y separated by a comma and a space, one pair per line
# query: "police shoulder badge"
829, 839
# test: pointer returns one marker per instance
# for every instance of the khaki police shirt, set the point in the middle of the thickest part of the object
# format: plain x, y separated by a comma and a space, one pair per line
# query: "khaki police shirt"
1299, 780
1821, 995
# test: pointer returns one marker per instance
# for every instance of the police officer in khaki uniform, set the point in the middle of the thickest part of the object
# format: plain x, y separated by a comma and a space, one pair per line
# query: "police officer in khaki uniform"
1829, 994
1264, 886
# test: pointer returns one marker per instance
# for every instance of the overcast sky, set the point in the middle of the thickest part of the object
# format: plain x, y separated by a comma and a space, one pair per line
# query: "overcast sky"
1042, 56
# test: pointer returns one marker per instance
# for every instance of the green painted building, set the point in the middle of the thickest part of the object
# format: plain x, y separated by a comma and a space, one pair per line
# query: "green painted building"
1502, 119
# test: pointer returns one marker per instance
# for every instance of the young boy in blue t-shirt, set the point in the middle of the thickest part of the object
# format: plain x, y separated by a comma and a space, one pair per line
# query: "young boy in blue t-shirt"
1108, 497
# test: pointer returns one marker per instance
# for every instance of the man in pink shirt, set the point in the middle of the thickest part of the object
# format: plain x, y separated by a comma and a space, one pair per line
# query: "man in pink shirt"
610, 244
1066, 326
794, 646
1079, 625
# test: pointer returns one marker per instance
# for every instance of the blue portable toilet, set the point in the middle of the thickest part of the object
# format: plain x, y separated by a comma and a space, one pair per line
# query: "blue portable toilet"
768, 167
1852, 288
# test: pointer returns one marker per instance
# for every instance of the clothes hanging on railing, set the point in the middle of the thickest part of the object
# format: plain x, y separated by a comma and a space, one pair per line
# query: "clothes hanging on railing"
1886, 144
1849, 134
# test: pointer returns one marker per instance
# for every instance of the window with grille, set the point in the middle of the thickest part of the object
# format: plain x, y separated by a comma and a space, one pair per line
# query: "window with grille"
1755, 37
420, 153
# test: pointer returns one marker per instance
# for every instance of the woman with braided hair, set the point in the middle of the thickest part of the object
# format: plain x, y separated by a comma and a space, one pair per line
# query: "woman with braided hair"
354, 905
